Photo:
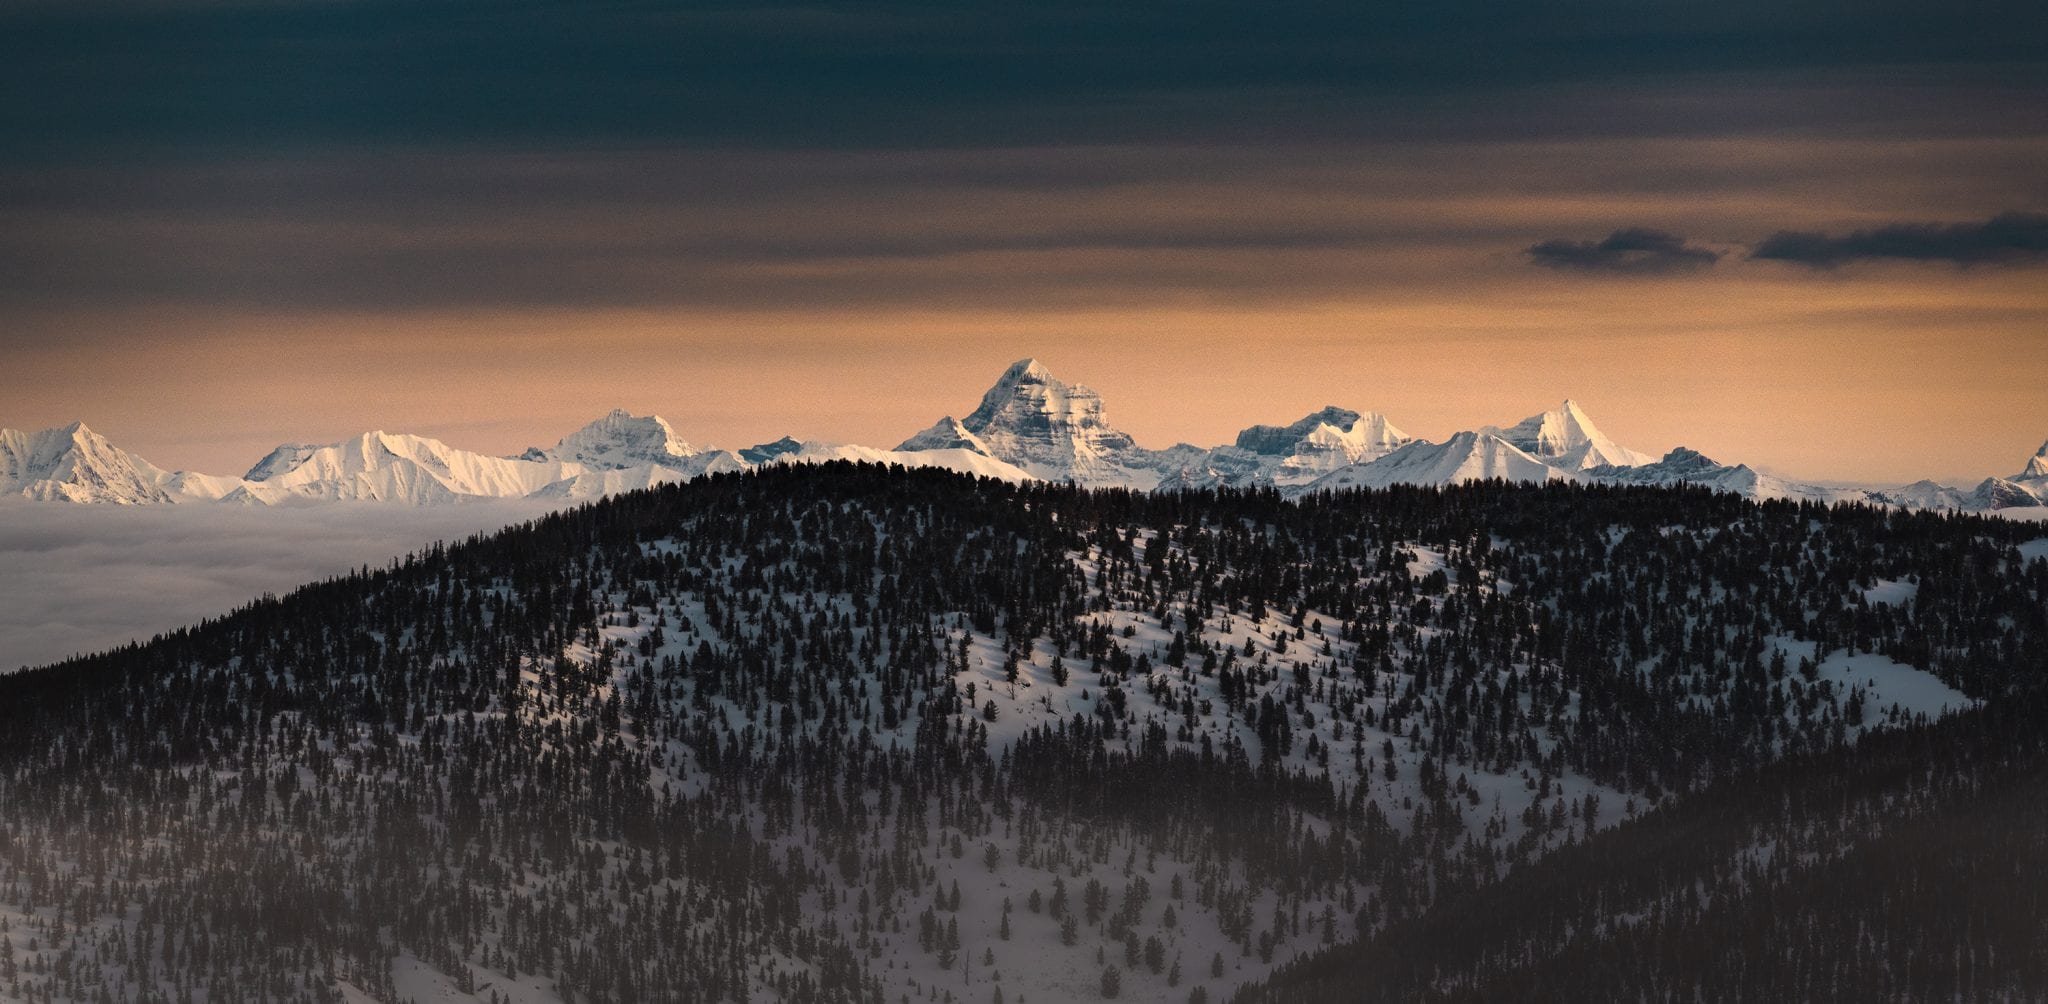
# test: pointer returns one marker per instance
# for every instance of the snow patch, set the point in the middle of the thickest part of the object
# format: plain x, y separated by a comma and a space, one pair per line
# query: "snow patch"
1891, 593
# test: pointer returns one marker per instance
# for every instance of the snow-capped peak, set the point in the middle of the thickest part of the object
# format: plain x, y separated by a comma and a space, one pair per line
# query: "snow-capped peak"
2038, 466
1277, 440
1016, 383
1566, 437
619, 440
1028, 368
1331, 430
1049, 428
75, 464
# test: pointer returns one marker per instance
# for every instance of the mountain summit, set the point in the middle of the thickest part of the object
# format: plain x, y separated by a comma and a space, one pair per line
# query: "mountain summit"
76, 464
1566, 437
1046, 426
620, 440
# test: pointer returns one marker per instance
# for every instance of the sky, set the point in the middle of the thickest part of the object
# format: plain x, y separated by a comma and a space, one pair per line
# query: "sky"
1808, 236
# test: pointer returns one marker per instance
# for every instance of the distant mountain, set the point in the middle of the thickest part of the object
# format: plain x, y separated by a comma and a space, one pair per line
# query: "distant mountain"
1340, 434
621, 441
383, 467
769, 451
1684, 466
1050, 429
1029, 425
1466, 456
1287, 456
618, 452
76, 464
1567, 438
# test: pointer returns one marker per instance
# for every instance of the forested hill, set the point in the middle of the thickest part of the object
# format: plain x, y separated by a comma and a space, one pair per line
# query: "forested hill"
848, 733
1905, 868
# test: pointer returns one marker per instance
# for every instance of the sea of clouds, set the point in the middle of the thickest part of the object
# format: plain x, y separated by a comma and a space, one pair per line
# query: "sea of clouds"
78, 579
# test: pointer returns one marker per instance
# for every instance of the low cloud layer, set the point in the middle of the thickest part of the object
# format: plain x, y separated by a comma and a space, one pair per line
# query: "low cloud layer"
1630, 251
76, 579
2003, 239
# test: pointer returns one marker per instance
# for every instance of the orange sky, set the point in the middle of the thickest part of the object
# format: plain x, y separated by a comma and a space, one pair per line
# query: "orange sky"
1840, 378
858, 297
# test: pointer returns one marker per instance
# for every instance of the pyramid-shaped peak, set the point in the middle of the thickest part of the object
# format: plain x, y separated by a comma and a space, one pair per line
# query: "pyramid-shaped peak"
2038, 466
1031, 368
1050, 428
1571, 413
1552, 432
1566, 433
1018, 378
73, 463
1028, 387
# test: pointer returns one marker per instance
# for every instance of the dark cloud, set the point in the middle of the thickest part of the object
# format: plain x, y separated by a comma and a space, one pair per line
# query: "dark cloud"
92, 75
2005, 238
1630, 251
389, 155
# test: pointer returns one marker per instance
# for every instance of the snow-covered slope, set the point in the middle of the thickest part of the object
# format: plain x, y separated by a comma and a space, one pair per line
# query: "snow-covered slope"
281, 461
383, 467
591, 484
947, 434
2005, 493
1925, 494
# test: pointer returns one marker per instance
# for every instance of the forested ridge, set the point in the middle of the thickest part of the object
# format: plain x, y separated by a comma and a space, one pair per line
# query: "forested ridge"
1905, 868
851, 733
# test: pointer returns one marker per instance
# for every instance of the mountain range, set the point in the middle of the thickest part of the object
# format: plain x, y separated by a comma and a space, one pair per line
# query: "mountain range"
1030, 425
